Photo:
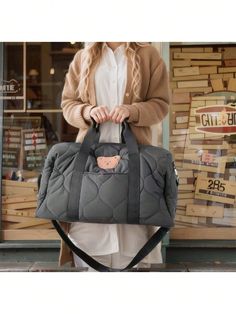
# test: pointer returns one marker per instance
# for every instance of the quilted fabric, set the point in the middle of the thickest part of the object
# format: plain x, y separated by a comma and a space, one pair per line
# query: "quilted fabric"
104, 193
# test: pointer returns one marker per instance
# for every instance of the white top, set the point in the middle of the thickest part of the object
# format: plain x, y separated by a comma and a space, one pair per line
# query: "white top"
102, 239
110, 83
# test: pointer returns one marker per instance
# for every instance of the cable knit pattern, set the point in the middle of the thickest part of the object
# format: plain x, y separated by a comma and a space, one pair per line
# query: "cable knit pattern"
151, 109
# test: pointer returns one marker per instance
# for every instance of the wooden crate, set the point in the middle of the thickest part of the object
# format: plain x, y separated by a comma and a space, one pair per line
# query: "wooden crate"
19, 202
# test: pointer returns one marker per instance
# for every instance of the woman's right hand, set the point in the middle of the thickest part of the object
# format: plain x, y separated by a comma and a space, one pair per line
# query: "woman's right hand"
100, 114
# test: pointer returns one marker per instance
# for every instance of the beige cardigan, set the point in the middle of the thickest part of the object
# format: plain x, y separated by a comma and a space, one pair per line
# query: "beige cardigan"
151, 109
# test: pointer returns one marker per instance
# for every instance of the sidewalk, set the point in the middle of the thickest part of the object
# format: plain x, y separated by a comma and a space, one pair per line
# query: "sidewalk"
181, 267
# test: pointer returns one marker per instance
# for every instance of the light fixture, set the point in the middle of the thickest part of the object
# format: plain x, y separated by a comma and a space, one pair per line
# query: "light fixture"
33, 72
52, 71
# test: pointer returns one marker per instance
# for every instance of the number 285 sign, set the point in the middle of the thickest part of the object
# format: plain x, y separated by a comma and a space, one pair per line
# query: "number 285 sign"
215, 189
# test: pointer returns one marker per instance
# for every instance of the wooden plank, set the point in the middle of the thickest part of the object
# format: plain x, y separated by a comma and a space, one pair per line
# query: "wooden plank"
208, 49
208, 98
25, 213
204, 211
8, 190
226, 221
180, 63
208, 146
182, 119
230, 63
224, 76
21, 184
175, 49
217, 85
204, 56
180, 212
185, 173
226, 69
230, 212
178, 164
232, 84
196, 136
184, 202
189, 219
181, 126
182, 181
173, 85
176, 145
194, 89
186, 187
18, 199
193, 77
185, 195
180, 107
179, 131
28, 224
177, 138
208, 70
203, 233
198, 103
193, 49
185, 84
213, 136
205, 63
32, 234
48, 225
179, 156
14, 218
202, 221
212, 102
185, 71
181, 98
228, 52
20, 205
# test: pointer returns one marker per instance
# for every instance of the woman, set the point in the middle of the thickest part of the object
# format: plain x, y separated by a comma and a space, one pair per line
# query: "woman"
110, 82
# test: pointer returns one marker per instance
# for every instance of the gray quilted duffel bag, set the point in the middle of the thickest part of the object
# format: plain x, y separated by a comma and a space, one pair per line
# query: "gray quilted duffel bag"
123, 183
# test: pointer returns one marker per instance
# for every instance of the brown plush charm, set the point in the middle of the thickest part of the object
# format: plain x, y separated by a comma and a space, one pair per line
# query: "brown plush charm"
108, 162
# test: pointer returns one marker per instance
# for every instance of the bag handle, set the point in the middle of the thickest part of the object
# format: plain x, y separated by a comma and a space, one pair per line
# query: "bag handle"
144, 251
92, 137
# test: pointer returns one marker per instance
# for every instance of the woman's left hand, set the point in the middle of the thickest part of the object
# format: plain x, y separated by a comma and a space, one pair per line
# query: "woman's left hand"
118, 114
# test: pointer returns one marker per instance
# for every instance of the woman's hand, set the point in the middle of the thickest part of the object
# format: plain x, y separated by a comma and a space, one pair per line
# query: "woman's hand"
118, 114
100, 114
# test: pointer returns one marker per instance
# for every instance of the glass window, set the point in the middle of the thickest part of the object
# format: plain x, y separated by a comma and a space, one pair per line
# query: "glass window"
32, 123
46, 66
203, 140
12, 88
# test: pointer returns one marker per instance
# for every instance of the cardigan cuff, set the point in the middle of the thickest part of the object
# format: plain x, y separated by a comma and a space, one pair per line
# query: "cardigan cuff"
133, 113
86, 112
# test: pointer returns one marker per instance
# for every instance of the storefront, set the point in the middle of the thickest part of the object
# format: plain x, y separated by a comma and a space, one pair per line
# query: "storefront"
200, 131
203, 141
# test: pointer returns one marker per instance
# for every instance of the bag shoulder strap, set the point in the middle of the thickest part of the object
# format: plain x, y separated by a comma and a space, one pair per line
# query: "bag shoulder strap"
144, 251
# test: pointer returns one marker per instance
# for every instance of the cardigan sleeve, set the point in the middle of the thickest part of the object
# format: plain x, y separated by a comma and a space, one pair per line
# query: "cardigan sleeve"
75, 111
156, 106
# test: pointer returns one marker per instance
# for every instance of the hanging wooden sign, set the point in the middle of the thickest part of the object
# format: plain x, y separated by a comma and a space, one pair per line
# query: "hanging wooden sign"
11, 146
217, 119
204, 161
34, 148
215, 189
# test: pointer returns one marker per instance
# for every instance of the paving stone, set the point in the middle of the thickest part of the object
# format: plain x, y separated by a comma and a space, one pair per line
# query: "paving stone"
211, 267
53, 267
162, 268
15, 266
